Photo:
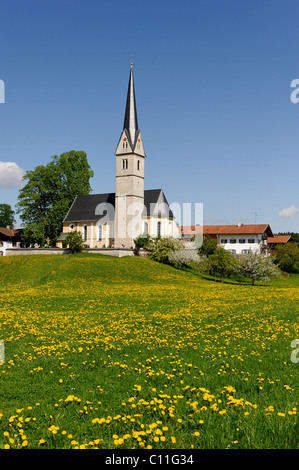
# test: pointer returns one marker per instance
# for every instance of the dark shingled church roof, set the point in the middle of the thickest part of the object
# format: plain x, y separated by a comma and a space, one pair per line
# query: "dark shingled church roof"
83, 208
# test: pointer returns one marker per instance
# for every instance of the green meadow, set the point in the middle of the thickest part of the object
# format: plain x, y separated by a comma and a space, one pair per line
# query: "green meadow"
104, 353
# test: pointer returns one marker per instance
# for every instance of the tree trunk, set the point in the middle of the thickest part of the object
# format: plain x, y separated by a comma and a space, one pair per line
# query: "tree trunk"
252, 282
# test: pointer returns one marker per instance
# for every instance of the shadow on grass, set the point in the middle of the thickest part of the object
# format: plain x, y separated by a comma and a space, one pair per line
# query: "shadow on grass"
285, 280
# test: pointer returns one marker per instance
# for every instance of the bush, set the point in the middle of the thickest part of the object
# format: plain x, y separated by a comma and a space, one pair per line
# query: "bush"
141, 242
222, 262
74, 241
208, 247
257, 267
183, 258
161, 248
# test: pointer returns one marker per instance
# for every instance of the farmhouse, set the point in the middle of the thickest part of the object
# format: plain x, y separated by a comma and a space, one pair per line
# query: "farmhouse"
238, 239
9, 238
116, 219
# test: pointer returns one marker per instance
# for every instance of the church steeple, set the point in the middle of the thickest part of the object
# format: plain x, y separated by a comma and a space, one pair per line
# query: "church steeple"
130, 140
131, 122
129, 178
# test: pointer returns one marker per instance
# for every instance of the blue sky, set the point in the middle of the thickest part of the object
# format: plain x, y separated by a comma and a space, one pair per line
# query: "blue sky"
212, 83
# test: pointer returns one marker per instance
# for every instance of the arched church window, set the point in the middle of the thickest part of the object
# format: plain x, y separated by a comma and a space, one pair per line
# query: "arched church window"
145, 228
159, 228
100, 233
84, 232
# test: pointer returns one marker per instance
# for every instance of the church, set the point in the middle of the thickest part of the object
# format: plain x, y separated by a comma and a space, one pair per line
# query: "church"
114, 220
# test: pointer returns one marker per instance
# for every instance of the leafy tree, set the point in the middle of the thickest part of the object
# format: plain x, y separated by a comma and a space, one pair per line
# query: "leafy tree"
208, 247
7, 216
34, 233
258, 267
287, 257
161, 248
222, 262
48, 193
74, 241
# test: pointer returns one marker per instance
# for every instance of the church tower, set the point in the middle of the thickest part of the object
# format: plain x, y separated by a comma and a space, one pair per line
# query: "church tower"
129, 185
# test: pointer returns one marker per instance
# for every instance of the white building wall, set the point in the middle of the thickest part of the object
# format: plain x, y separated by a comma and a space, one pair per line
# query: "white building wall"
4, 245
240, 248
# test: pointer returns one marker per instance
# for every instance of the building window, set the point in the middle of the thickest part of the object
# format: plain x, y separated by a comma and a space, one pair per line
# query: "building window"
233, 252
244, 252
242, 240
84, 229
159, 229
138, 164
112, 233
72, 226
223, 241
145, 228
233, 240
251, 240
125, 164
100, 233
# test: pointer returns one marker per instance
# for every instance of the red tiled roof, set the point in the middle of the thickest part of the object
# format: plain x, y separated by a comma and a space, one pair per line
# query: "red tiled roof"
191, 230
10, 232
279, 239
229, 229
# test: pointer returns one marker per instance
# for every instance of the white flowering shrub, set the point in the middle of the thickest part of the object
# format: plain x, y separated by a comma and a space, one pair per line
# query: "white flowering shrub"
258, 267
183, 257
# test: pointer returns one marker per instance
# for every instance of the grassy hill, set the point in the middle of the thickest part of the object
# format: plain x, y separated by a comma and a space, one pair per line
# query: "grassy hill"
109, 353
30, 270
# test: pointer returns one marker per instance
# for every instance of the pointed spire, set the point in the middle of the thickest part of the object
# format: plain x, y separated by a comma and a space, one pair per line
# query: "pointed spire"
131, 123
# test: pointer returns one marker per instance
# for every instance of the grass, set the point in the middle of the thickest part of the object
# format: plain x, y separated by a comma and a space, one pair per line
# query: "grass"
128, 353
24, 271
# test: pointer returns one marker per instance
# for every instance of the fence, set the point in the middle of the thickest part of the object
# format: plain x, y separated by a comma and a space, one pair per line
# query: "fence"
25, 282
